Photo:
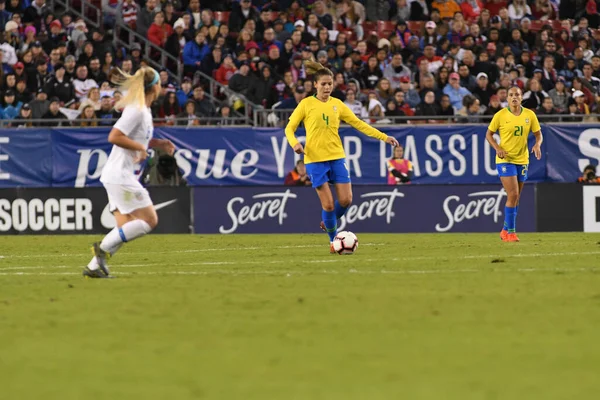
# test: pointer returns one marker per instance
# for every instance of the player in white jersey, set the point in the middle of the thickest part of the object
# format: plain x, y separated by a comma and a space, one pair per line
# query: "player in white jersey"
131, 136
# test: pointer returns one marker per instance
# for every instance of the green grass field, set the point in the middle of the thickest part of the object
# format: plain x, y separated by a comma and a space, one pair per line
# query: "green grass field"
276, 317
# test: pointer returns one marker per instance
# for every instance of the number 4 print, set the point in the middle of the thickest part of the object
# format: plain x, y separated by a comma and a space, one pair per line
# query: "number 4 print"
326, 119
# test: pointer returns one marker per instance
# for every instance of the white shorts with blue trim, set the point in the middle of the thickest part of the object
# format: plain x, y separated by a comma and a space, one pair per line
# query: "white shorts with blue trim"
126, 198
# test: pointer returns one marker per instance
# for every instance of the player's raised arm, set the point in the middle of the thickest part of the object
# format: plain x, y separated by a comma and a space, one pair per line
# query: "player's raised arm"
290, 130
350, 118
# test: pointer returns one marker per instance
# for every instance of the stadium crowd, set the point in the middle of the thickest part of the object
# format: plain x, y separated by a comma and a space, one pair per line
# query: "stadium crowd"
391, 58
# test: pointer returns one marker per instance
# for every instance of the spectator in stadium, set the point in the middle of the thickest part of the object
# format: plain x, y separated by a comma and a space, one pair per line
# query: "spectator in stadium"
471, 9
212, 61
429, 106
260, 91
145, 17
95, 71
354, 105
446, 108
471, 110
518, 9
549, 74
376, 111
384, 92
396, 70
204, 106
189, 117
466, 79
544, 10
560, 96
169, 9
400, 170
420, 10
59, 86
323, 14
589, 175
547, 112
159, 31
169, 108
292, 102
578, 85
242, 12
297, 176
241, 81
350, 18
534, 97
53, 117
493, 106
455, 91
484, 89
447, 8
277, 63
40, 105
87, 118
194, 53
23, 120
22, 93
93, 98
10, 108
106, 114
411, 96
38, 79
579, 98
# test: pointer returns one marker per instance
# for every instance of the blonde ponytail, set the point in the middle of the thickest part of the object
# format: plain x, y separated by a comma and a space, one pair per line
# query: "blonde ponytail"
135, 85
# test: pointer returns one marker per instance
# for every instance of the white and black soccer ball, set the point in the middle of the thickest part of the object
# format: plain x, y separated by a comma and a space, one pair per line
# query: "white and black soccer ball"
345, 242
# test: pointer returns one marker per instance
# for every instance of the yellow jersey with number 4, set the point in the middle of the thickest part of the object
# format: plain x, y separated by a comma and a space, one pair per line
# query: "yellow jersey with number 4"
322, 122
514, 131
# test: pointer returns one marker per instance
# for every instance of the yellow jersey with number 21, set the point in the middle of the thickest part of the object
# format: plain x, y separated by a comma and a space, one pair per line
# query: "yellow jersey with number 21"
514, 131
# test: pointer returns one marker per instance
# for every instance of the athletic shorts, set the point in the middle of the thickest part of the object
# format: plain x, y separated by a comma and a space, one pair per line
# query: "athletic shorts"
335, 171
507, 169
127, 198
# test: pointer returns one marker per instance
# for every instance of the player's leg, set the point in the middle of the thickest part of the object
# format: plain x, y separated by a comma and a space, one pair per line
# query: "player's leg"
328, 213
135, 216
343, 187
511, 186
522, 171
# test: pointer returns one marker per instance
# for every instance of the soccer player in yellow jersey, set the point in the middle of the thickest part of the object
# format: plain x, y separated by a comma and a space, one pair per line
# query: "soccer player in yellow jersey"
324, 155
514, 124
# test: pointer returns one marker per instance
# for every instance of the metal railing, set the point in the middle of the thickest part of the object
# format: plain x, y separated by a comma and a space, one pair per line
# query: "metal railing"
109, 122
217, 90
283, 115
279, 117
83, 11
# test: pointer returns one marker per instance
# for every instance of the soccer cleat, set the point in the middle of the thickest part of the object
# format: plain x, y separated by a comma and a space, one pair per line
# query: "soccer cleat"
331, 250
95, 273
511, 237
503, 234
101, 256
323, 228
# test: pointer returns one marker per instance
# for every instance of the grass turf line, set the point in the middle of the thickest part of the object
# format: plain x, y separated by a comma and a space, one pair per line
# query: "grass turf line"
413, 316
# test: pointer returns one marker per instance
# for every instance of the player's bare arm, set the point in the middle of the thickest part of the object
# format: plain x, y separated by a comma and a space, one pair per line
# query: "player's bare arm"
500, 152
537, 147
163, 144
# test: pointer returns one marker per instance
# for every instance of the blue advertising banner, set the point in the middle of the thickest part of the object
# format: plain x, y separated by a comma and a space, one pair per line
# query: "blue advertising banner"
398, 209
450, 154
25, 158
570, 149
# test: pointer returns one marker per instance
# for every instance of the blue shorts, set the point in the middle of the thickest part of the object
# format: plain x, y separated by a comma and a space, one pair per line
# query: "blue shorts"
335, 171
507, 169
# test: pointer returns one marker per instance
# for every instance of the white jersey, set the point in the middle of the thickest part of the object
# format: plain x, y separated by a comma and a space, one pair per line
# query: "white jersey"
120, 168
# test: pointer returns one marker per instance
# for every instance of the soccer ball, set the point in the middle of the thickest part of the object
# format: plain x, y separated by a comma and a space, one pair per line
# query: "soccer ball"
345, 243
